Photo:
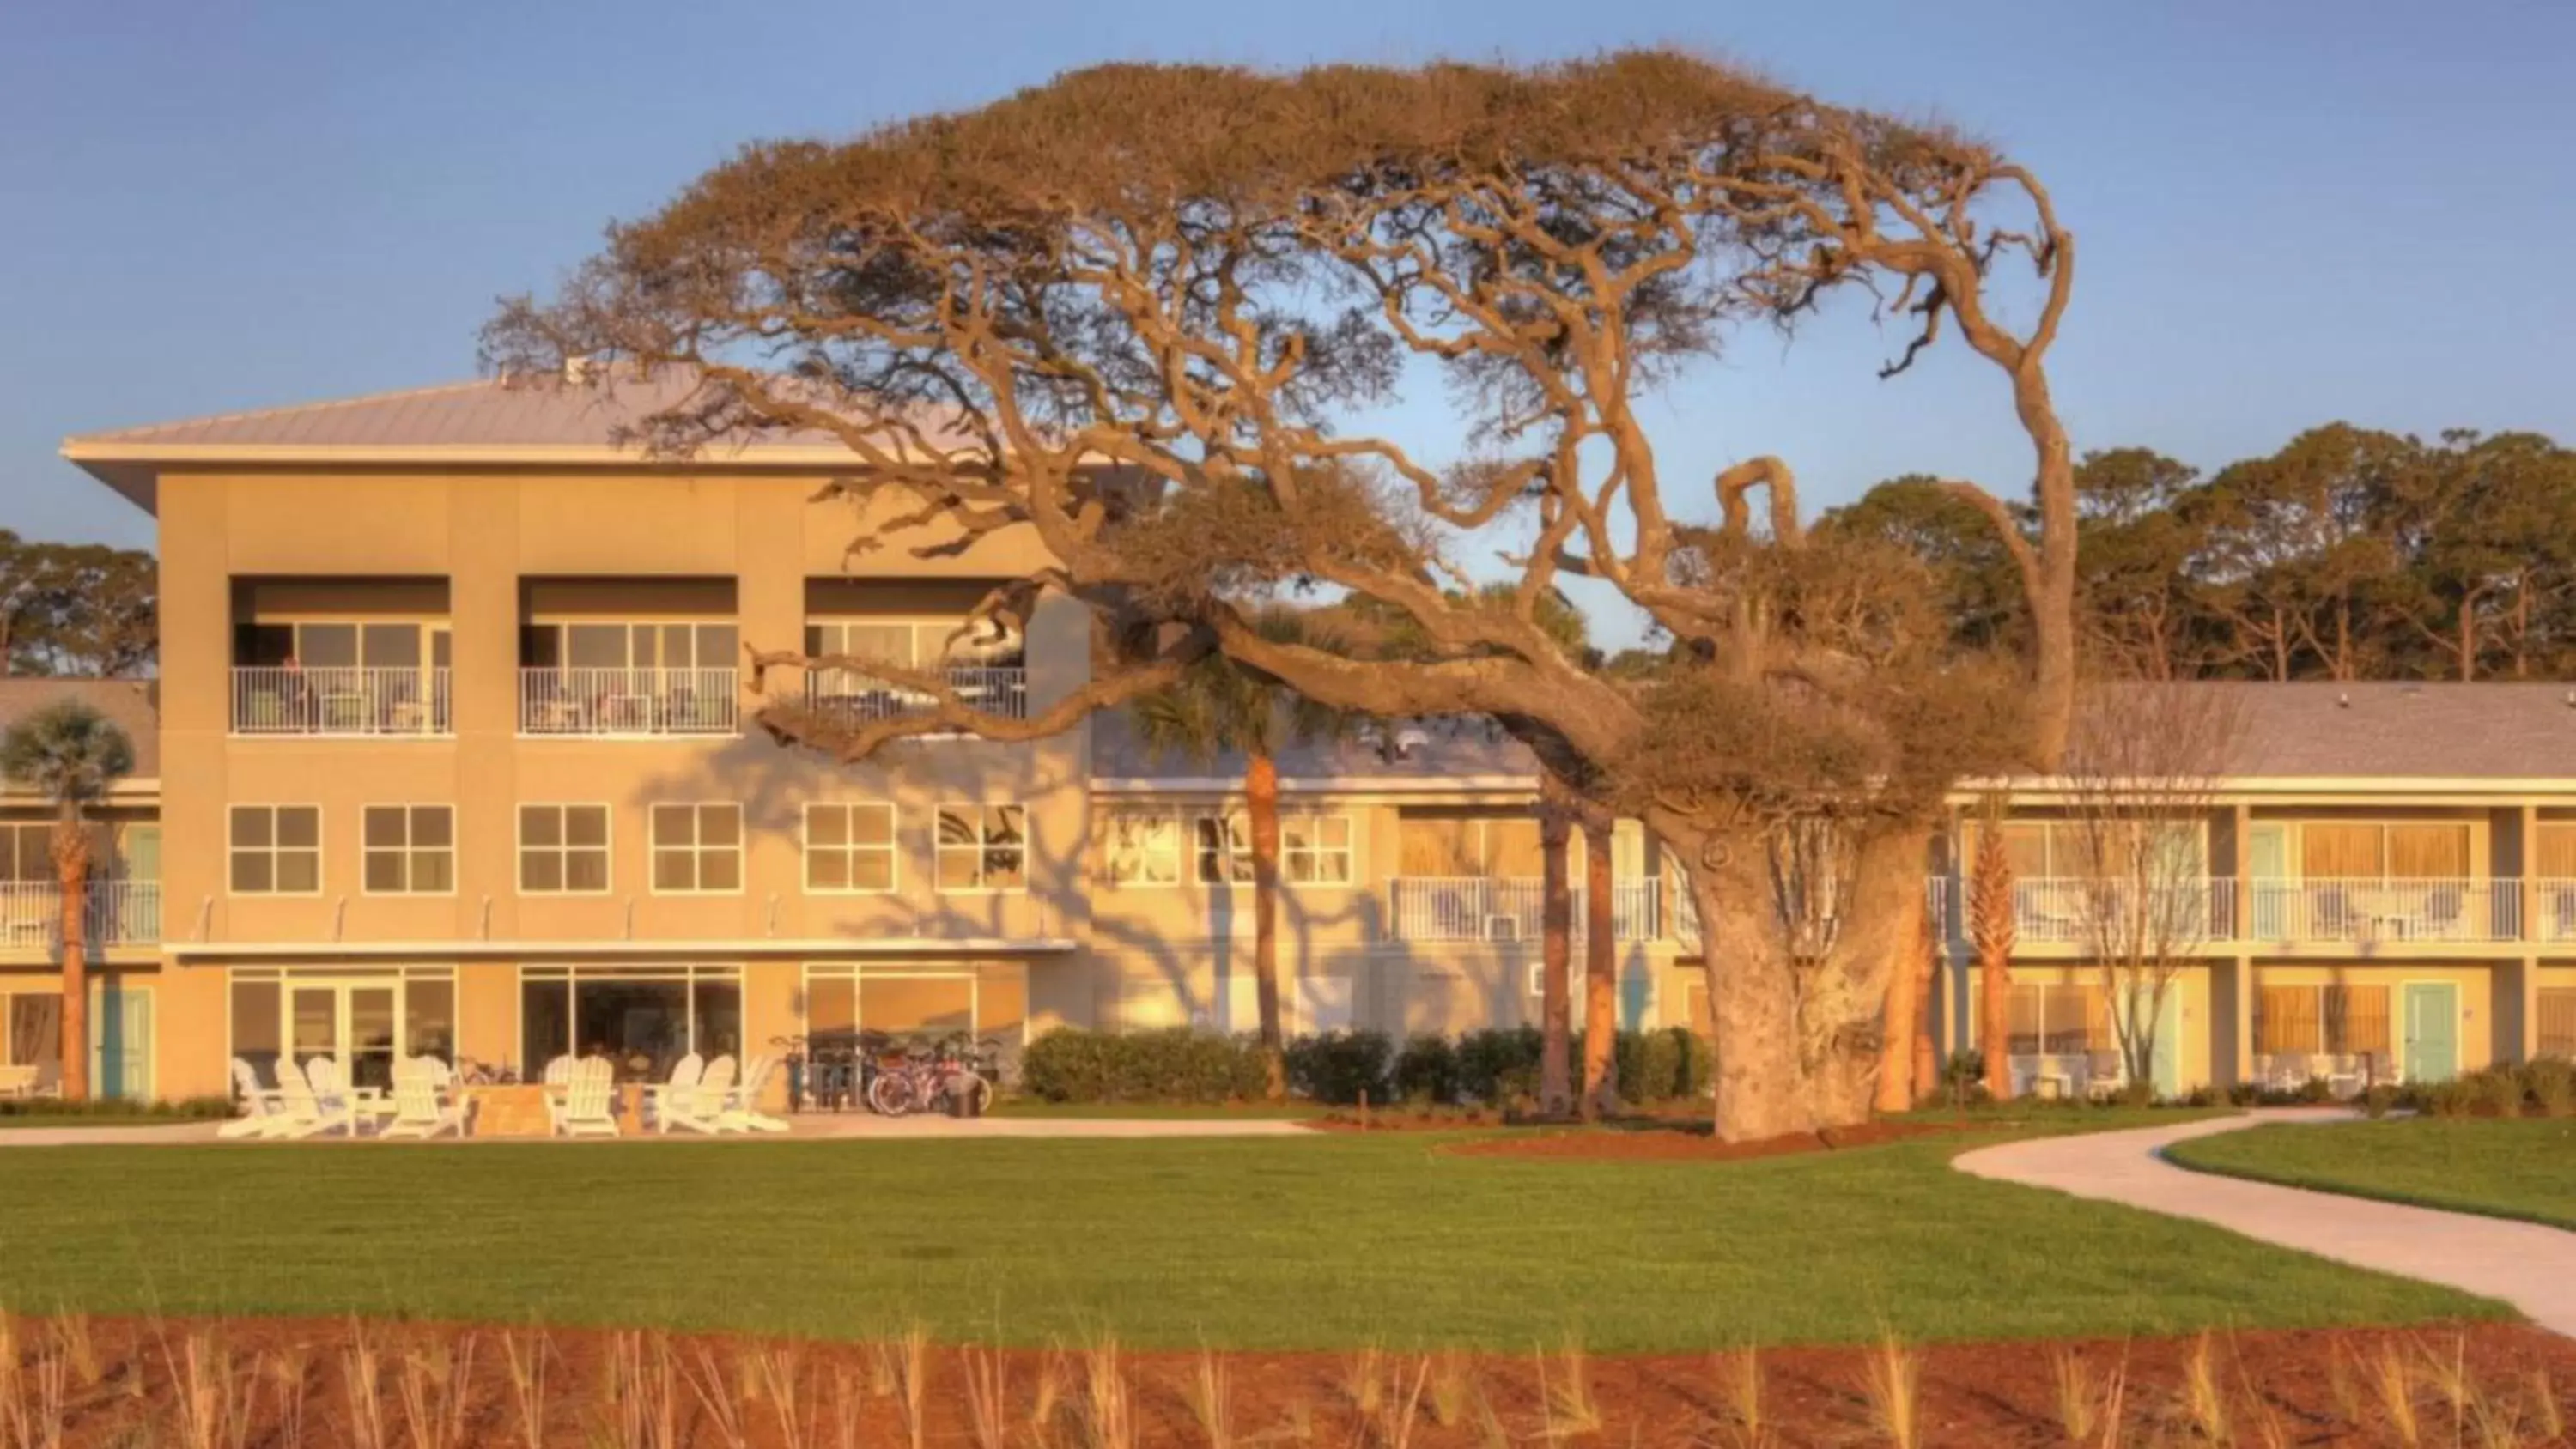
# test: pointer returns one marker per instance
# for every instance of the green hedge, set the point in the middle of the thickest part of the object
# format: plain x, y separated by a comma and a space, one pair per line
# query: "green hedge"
1498, 1066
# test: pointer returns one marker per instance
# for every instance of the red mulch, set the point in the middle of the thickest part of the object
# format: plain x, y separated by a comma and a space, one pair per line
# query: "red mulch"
2305, 1388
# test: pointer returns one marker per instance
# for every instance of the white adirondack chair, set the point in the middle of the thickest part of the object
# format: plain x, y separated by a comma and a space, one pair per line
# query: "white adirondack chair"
418, 1111
263, 1108
306, 1111
559, 1071
701, 1109
685, 1074
589, 1105
741, 1110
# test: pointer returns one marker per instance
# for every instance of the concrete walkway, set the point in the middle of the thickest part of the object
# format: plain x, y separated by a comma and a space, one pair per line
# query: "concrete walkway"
849, 1126
2529, 1266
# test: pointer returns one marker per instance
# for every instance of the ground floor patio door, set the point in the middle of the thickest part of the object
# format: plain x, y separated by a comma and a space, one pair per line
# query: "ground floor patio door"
355, 1023
2432, 1031
120, 1040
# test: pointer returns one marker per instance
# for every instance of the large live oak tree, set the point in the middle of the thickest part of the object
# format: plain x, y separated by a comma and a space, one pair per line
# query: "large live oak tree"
1140, 312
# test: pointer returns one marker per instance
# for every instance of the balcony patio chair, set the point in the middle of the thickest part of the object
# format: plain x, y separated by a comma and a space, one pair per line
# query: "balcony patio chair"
24, 1081
740, 1109
418, 1110
263, 1109
305, 1111
589, 1102
658, 1096
701, 1109
2106, 1074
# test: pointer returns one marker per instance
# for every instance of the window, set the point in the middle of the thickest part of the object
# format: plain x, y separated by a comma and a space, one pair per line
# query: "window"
697, 849
31, 1034
409, 849
563, 849
641, 1019
1144, 848
276, 850
983, 848
2558, 1021
2059, 1020
2170, 854
1224, 848
1315, 849
630, 644
849, 848
27, 852
2327, 1020
918, 643
2431, 850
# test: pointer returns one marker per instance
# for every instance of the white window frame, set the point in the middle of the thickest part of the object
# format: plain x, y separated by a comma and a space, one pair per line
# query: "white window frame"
930, 636
272, 849
1181, 848
563, 624
1290, 854
850, 849
43, 832
519, 852
407, 851
696, 849
941, 849
1237, 847
1233, 847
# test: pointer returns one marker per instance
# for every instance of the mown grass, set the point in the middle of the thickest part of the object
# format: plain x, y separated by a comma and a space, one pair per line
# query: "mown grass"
2523, 1169
1327, 1242
1156, 1111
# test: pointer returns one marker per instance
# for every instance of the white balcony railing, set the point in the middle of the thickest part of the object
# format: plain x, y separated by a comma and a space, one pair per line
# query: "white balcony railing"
857, 698
119, 912
290, 700
2120, 915
628, 702
2373, 910
1476, 908
2553, 908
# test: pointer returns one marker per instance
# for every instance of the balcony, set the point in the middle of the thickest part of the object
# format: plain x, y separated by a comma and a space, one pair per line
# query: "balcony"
854, 698
629, 702
2120, 915
119, 913
294, 700
1475, 908
2387, 911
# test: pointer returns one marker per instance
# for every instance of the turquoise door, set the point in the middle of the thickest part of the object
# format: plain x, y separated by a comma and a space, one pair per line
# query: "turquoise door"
2166, 1067
138, 912
120, 1040
2267, 861
2432, 1031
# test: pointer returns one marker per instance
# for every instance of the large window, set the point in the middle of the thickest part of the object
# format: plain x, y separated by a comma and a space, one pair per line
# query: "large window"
363, 1018
563, 849
2065, 850
2321, 1020
1313, 849
1222, 845
409, 849
276, 850
31, 1034
918, 642
983, 848
697, 849
849, 847
2067, 1019
642, 1019
1144, 847
630, 644
2558, 1021
27, 852
2370, 850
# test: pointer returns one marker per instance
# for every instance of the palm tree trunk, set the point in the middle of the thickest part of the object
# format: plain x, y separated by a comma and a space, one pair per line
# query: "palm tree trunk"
1556, 931
1600, 974
1927, 1055
71, 867
1261, 799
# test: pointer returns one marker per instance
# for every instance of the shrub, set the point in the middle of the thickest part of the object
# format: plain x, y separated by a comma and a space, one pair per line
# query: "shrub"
176, 1109
1070, 1064
1337, 1066
2458, 1098
1426, 1070
2377, 1102
2551, 1081
2245, 1094
1499, 1065
1669, 1065
2500, 1087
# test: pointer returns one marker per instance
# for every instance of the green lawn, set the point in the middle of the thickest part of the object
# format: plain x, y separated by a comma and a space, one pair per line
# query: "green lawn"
1155, 1111
2509, 1169
1334, 1240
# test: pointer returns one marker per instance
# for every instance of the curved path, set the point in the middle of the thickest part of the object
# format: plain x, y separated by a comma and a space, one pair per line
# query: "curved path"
2529, 1266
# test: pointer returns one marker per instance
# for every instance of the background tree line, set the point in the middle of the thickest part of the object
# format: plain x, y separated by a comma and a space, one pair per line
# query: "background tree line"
2348, 554
77, 608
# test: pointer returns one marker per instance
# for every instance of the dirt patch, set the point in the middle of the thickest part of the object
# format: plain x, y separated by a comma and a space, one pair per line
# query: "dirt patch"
289, 1384
1689, 1142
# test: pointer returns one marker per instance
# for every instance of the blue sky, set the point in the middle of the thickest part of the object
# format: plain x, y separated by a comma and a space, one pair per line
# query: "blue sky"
2288, 212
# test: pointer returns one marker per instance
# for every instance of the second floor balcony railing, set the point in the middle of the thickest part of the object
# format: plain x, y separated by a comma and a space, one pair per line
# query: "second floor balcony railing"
2387, 910
1478, 908
631, 701
2123, 916
857, 698
119, 913
293, 700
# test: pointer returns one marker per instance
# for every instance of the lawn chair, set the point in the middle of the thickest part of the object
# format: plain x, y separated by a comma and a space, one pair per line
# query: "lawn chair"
589, 1102
417, 1108
684, 1079
740, 1111
701, 1109
263, 1109
307, 1112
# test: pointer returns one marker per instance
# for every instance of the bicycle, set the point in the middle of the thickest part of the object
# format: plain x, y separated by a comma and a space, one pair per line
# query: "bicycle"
949, 1072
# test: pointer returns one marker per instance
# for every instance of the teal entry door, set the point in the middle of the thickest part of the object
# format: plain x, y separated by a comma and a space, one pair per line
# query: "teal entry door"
2432, 1031
120, 1040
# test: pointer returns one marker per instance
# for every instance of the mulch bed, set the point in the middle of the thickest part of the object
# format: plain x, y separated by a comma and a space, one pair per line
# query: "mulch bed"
444, 1386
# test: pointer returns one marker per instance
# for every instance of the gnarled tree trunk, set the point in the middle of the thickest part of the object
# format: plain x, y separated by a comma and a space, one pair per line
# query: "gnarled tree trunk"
1600, 973
1904, 1014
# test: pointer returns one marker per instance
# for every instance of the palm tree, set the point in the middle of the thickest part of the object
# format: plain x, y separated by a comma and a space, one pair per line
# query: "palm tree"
1220, 707
72, 755
1993, 930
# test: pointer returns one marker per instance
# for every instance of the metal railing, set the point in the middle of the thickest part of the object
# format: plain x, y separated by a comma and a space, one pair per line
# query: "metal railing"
628, 702
118, 913
291, 700
1479, 908
850, 695
2386, 910
2553, 909
2122, 915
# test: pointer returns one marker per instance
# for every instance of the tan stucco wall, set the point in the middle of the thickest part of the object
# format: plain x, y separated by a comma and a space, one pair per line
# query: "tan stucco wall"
2478, 1017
